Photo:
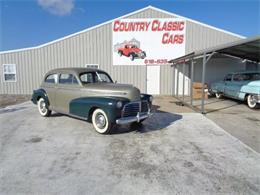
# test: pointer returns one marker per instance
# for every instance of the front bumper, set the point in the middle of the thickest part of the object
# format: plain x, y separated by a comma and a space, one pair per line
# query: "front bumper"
256, 98
140, 116
140, 55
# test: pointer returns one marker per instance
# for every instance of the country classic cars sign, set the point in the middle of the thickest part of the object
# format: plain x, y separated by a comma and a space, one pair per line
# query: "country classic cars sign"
147, 41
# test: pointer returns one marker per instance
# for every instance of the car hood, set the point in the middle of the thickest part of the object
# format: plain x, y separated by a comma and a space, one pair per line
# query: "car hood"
254, 83
112, 89
136, 50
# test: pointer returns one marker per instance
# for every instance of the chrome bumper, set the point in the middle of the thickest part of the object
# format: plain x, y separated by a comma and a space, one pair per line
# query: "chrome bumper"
256, 98
140, 116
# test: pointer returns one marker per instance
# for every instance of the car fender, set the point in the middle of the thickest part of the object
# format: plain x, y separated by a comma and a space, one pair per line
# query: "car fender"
84, 106
39, 93
146, 97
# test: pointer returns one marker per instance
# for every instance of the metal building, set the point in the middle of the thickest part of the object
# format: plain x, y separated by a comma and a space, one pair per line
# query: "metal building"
22, 70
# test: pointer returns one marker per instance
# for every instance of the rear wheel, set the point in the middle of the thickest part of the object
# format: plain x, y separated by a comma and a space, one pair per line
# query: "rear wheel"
100, 121
251, 103
43, 108
120, 53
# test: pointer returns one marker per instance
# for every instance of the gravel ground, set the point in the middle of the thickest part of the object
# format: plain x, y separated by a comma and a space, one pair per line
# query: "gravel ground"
181, 153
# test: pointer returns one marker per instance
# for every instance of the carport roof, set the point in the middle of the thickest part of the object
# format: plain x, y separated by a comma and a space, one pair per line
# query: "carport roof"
248, 49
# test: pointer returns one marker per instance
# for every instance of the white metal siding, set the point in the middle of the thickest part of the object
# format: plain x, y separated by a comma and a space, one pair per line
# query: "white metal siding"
95, 47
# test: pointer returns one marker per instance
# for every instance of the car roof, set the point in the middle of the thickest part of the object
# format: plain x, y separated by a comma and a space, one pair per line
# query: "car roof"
73, 70
245, 71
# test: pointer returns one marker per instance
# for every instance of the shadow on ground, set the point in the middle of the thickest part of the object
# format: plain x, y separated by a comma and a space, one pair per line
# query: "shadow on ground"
7, 110
158, 121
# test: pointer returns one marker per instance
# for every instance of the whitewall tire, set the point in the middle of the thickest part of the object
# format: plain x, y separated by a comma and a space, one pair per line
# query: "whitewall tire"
100, 121
43, 108
250, 102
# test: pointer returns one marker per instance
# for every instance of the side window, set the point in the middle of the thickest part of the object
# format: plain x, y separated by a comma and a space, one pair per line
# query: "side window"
9, 72
228, 77
52, 78
67, 79
238, 77
256, 76
87, 78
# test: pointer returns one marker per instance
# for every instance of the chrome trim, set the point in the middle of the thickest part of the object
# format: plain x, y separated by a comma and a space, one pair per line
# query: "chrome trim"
256, 98
128, 104
140, 116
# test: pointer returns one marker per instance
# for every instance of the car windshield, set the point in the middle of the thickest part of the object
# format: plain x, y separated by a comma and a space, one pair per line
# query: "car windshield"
95, 77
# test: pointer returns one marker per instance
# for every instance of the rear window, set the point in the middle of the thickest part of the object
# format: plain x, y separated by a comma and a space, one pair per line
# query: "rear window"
52, 78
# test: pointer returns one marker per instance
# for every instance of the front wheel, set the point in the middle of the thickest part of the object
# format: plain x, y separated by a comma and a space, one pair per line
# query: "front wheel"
100, 121
144, 54
132, 57
43, 108
250, 102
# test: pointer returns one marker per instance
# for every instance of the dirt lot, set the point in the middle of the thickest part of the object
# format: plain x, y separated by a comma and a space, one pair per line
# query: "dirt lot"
233, 116
172, 153
7, 100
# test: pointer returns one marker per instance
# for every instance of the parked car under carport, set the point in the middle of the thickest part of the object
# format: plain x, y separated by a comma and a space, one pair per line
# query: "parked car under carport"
244, 86
245, 50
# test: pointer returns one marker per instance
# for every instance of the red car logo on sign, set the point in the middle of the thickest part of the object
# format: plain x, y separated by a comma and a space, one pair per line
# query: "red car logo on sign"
131, 51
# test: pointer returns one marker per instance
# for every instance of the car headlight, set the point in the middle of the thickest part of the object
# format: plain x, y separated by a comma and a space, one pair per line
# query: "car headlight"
151, 98
119, 104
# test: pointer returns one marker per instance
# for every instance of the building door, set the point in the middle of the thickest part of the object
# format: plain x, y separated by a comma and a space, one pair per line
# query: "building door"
153, 80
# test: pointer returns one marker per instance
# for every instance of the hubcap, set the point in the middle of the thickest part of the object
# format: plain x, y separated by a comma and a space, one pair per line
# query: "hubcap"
251, 101
43, 106
100, 121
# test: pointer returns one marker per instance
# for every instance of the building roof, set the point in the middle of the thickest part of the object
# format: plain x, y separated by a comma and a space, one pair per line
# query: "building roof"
248, 49
121, 17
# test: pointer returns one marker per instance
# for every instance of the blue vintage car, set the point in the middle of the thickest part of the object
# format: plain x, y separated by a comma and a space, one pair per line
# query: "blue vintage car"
243, 86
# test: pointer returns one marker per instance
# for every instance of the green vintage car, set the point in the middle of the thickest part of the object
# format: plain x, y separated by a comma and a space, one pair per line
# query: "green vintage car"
91, 94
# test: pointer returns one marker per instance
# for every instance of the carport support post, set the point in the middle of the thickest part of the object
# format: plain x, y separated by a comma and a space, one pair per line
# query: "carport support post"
183, 82
191, 82
203, 83
177, 84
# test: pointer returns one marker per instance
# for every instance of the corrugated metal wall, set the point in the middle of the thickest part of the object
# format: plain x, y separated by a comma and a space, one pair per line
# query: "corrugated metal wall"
95, 47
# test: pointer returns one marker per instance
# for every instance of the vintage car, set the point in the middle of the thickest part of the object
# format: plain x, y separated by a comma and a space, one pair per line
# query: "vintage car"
243, 86
90, 94
131, 51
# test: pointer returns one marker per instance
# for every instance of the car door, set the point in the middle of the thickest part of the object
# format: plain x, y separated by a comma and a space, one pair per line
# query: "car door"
126, 50
67, 90
228, 86
50, 86
237, 83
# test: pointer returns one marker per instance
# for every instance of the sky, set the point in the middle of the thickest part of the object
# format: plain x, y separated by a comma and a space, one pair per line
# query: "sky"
28, 23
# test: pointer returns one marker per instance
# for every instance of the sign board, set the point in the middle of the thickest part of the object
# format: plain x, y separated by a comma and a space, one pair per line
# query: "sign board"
147, 41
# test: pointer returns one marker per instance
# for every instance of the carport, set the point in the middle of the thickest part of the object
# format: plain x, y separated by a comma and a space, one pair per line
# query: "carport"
246, 50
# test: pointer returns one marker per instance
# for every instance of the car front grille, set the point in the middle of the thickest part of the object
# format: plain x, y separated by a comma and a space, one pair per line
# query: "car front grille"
132, 108
144, 106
